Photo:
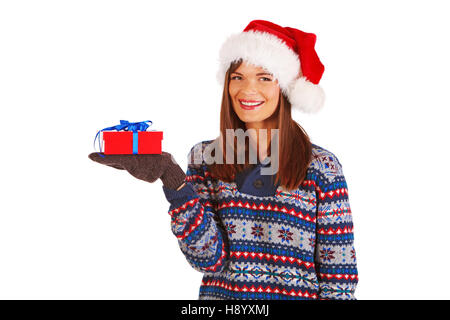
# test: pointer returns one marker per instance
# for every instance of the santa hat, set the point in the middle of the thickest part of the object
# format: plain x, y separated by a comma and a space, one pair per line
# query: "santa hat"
285, 52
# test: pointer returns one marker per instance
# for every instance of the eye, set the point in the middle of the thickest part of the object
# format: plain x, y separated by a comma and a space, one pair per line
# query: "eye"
234, 78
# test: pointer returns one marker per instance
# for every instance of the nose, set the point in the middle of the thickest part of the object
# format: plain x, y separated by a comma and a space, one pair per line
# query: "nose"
249, 87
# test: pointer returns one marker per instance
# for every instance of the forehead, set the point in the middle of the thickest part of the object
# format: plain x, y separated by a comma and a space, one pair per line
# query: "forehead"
247, 67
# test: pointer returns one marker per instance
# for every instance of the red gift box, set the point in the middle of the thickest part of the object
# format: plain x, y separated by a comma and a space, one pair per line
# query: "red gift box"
121, 142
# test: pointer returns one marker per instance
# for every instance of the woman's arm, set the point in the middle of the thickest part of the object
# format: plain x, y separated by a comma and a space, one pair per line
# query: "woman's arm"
194, 220
184, 183
335, 257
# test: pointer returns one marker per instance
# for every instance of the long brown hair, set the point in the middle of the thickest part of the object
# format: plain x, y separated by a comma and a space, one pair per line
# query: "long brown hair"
295, 147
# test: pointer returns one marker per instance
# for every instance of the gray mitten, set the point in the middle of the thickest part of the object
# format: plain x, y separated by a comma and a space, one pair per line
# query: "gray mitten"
146, 167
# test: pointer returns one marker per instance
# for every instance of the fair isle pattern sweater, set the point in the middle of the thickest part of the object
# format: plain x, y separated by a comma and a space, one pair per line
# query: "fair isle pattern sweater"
269, 243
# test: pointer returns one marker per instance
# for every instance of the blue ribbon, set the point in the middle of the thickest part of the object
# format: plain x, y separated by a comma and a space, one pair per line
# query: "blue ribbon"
126, 126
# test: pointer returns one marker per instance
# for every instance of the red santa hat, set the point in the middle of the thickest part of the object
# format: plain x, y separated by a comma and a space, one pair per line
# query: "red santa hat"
285, 52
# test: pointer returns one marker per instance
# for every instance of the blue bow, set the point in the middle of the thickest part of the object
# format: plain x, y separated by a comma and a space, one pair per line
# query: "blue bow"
126, 126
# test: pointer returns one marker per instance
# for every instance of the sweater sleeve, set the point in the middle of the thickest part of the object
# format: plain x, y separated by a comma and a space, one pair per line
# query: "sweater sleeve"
335, 257
194, 220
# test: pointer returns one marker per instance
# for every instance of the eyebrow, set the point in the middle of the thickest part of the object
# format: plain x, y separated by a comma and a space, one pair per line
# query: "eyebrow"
258, 74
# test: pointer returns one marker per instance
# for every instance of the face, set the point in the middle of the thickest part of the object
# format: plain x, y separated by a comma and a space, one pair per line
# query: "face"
254, 94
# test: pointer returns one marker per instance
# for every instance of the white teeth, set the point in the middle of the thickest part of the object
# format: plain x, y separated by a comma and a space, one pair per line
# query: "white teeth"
251, 103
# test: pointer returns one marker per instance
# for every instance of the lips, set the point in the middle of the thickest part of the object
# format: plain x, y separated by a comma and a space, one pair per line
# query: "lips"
250, 104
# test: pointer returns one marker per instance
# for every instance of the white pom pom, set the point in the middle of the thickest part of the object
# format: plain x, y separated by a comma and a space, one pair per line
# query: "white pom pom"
306, 96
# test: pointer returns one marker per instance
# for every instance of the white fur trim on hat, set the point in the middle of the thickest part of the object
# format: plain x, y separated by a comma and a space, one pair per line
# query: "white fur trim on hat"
260, 49
272, 54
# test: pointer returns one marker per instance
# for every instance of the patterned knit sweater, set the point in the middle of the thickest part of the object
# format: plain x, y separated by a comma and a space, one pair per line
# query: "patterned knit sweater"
253, 239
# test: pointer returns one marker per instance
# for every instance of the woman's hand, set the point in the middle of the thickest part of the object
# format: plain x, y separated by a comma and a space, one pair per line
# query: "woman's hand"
146, 167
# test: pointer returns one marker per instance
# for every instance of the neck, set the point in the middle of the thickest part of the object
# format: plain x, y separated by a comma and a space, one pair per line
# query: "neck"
257, 140
259, 128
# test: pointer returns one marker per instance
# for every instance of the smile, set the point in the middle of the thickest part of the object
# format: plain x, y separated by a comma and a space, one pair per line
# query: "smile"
250, 105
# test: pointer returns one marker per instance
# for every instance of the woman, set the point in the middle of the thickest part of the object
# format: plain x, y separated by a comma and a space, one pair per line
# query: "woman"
284, 235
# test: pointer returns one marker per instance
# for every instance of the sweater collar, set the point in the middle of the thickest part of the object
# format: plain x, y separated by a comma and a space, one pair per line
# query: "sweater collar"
251, 181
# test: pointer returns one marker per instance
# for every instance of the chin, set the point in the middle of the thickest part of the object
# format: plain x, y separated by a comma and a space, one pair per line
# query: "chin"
246, 118
252, 120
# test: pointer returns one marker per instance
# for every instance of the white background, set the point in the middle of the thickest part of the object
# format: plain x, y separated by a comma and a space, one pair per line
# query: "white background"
73, 229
